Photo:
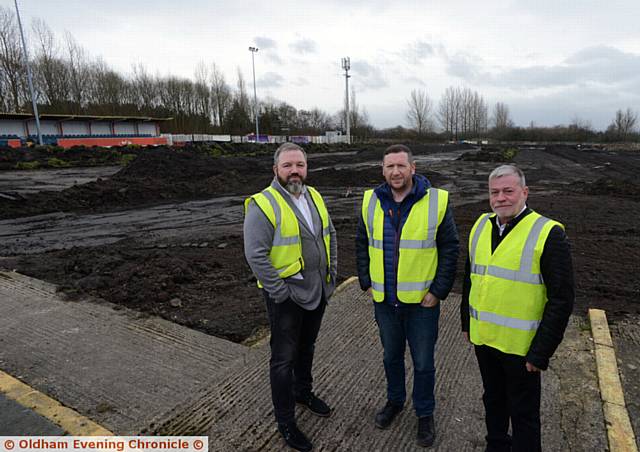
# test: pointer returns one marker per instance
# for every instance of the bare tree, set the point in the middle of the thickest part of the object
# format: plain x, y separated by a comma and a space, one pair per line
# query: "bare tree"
202, 92
448, 112
146, 89
78, 72
221, 94
241, 95
12, 69
107, 89
50, 70
501, 117
358, 117
419, 112
624, 123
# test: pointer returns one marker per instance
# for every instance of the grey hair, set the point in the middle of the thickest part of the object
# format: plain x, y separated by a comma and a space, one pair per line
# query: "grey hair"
284, 147
508, 170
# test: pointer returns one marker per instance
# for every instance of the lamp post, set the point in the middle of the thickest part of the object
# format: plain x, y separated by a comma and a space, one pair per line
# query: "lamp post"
346, 65
253, 51
29, 78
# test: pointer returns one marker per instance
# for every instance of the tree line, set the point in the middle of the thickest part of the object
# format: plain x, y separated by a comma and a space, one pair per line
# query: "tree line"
70, 81
463, 114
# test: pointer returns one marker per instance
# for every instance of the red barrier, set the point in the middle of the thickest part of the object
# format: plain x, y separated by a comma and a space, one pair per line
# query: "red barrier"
123, 141
13, 143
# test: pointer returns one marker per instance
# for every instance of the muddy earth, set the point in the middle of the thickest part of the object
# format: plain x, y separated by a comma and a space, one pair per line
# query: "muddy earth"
163, 235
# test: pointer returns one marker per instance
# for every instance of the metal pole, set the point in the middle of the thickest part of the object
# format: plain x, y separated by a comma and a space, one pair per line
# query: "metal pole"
346, 65
29, 78
253, 51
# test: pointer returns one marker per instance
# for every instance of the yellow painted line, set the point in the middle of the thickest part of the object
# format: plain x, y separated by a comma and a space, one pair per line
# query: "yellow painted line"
619, 430
69, 420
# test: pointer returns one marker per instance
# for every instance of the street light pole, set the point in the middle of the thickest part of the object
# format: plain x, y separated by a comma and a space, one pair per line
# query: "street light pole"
253, 51
29, 78
346, 65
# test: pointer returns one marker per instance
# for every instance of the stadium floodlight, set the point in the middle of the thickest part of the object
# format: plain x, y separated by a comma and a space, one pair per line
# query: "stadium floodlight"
346, 65
253, 51
29, 77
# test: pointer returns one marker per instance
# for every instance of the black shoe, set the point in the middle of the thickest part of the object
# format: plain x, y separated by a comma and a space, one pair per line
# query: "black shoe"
314, 404
426, 431
294, 437
385, 416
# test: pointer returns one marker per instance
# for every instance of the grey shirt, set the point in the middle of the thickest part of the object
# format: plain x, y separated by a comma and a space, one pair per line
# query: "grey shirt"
306, 287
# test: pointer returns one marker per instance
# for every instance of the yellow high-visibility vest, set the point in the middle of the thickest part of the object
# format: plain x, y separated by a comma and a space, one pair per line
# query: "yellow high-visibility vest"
508, 294
286, 251
418, 253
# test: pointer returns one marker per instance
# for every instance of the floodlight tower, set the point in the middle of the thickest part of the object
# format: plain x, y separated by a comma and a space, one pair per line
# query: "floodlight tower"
29, 77
346, 65
253, 51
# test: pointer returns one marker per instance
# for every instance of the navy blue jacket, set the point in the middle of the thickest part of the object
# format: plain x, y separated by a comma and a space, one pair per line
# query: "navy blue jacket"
395, 215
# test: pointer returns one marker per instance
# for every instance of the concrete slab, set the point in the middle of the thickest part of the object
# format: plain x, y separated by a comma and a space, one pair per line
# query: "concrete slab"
117, 367
136, 374
235, 411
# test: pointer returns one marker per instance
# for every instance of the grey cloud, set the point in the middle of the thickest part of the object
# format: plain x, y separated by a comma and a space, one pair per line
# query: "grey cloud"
463, 65
418, 51
595, 103
600, 65
303, 46
270, 80
264, 43
267, 49
368, 76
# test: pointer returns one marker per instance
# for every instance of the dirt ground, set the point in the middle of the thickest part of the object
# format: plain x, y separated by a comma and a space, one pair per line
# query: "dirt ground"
185, 260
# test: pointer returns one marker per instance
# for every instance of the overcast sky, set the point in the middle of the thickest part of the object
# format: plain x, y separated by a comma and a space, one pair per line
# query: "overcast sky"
551, 61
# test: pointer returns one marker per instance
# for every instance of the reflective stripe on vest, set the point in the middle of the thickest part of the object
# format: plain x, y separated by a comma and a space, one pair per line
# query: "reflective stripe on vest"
326, 230
418, 257
286, 250
508, 294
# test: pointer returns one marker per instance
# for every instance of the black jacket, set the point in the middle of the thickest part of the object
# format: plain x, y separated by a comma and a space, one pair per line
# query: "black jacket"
557, 273
446, 241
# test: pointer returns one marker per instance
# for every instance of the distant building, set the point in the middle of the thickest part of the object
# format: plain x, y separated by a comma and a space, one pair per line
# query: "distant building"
84, 130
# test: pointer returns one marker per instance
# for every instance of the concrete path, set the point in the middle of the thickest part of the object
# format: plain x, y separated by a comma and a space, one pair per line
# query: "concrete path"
235, 409
117, 367
137, 374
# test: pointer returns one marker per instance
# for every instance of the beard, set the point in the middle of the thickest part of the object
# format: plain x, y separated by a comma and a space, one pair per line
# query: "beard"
292, 186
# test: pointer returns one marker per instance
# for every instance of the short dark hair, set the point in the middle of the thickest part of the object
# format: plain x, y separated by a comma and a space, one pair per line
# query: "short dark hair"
397, 148
284, 147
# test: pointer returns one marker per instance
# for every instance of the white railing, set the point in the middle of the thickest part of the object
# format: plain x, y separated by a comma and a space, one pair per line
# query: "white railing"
182, 138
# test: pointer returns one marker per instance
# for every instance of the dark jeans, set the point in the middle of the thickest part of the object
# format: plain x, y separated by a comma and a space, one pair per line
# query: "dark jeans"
293, 336
419, 327
510, 393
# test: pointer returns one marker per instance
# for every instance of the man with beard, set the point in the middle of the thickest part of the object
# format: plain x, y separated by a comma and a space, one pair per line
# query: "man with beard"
290, 245
407, 248
517, 298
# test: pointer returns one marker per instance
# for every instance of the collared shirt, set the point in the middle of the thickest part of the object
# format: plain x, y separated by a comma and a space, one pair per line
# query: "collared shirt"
303, 206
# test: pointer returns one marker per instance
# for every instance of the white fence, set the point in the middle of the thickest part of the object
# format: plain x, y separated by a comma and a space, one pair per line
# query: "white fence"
179, 139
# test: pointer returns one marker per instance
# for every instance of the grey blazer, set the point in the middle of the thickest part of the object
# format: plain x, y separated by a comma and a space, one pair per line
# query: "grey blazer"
258, 238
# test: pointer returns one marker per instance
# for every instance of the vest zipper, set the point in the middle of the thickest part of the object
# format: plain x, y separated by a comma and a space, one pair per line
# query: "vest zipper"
396, 257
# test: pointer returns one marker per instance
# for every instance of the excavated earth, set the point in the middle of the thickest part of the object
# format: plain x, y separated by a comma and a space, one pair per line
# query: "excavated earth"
182, 256
163, 235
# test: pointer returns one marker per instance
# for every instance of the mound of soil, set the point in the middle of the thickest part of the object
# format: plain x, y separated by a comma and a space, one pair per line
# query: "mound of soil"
156, 176
608, 186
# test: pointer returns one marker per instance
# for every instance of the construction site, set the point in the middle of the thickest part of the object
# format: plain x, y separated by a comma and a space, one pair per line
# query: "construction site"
126, 298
